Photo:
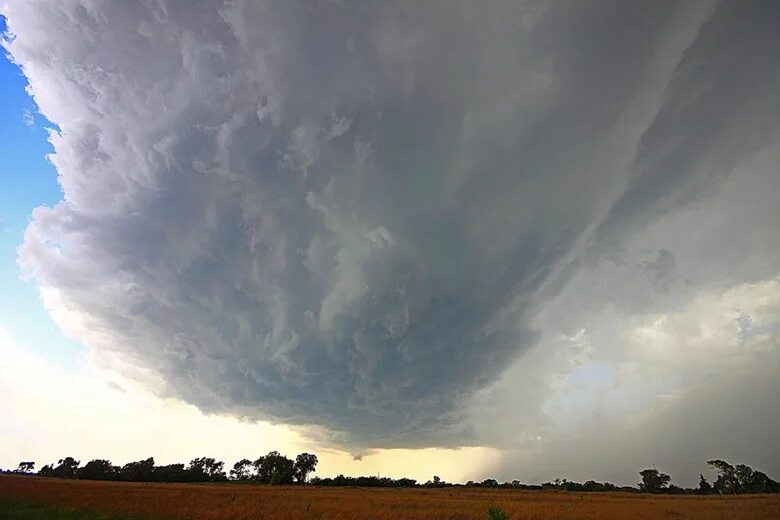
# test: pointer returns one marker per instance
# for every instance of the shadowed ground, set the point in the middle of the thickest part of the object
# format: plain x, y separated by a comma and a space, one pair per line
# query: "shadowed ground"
12, 510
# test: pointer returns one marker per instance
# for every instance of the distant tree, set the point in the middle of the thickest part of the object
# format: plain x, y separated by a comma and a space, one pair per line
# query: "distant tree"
138, 471
653, 481
170, 473
26, 467
305, 463
591, 485
274, 468
66, 468
46, 471
674, 490
98, 469
242, 470
739, 479
745, 478
257, 464
705, 487
726, 483
206, 469
761, 483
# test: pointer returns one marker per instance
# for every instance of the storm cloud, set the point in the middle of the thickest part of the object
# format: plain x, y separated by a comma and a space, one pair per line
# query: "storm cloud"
358, 216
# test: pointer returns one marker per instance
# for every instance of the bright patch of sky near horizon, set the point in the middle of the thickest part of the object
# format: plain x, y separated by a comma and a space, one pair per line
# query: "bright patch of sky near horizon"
566, 260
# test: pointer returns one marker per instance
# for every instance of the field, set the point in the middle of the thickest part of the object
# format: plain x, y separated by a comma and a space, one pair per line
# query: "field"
34, 511
234, 501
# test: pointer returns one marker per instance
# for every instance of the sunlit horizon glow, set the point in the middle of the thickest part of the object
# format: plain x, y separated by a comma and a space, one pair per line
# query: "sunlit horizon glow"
124, 423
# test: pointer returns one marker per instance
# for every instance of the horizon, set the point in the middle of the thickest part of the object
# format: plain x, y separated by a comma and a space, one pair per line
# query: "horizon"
208, 469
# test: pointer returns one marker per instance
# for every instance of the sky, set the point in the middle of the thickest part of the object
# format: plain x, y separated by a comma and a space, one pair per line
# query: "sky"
519, 240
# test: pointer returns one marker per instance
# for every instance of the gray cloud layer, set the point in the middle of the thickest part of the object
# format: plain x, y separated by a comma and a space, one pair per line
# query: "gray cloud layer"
352, 215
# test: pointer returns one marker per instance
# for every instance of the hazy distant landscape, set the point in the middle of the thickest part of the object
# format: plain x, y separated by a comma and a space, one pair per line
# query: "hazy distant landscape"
275, 468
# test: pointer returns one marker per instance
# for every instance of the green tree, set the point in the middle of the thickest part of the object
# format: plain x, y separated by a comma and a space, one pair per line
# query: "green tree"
242, 470
170, 473
305, 463
138, 471
726, 483
66, 468
206, 469
97, 469
761, 483
704, 486
26, 467
274, 468
653, 481
739, 479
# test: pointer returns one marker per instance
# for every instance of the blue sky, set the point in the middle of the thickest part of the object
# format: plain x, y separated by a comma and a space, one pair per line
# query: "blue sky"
27, 180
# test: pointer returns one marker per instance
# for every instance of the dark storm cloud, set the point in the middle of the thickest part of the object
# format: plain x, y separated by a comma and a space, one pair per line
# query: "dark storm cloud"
348, 215
721, 108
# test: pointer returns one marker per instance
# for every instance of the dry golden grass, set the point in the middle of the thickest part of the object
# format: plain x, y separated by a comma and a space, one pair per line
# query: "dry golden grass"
233, 501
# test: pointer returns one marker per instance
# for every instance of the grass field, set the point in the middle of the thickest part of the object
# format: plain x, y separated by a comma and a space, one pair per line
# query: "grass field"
13, 510
231, 501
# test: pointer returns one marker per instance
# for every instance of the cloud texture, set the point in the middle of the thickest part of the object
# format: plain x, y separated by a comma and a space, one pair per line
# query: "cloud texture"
357, 216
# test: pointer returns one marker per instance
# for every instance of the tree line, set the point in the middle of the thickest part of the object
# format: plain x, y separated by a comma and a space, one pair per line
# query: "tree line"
732, 480
275, 468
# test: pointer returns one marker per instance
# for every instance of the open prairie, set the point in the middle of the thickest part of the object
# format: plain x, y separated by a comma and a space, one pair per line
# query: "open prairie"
231, 501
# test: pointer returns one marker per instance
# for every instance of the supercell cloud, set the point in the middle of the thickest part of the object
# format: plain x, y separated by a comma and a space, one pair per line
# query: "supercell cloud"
358, 215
